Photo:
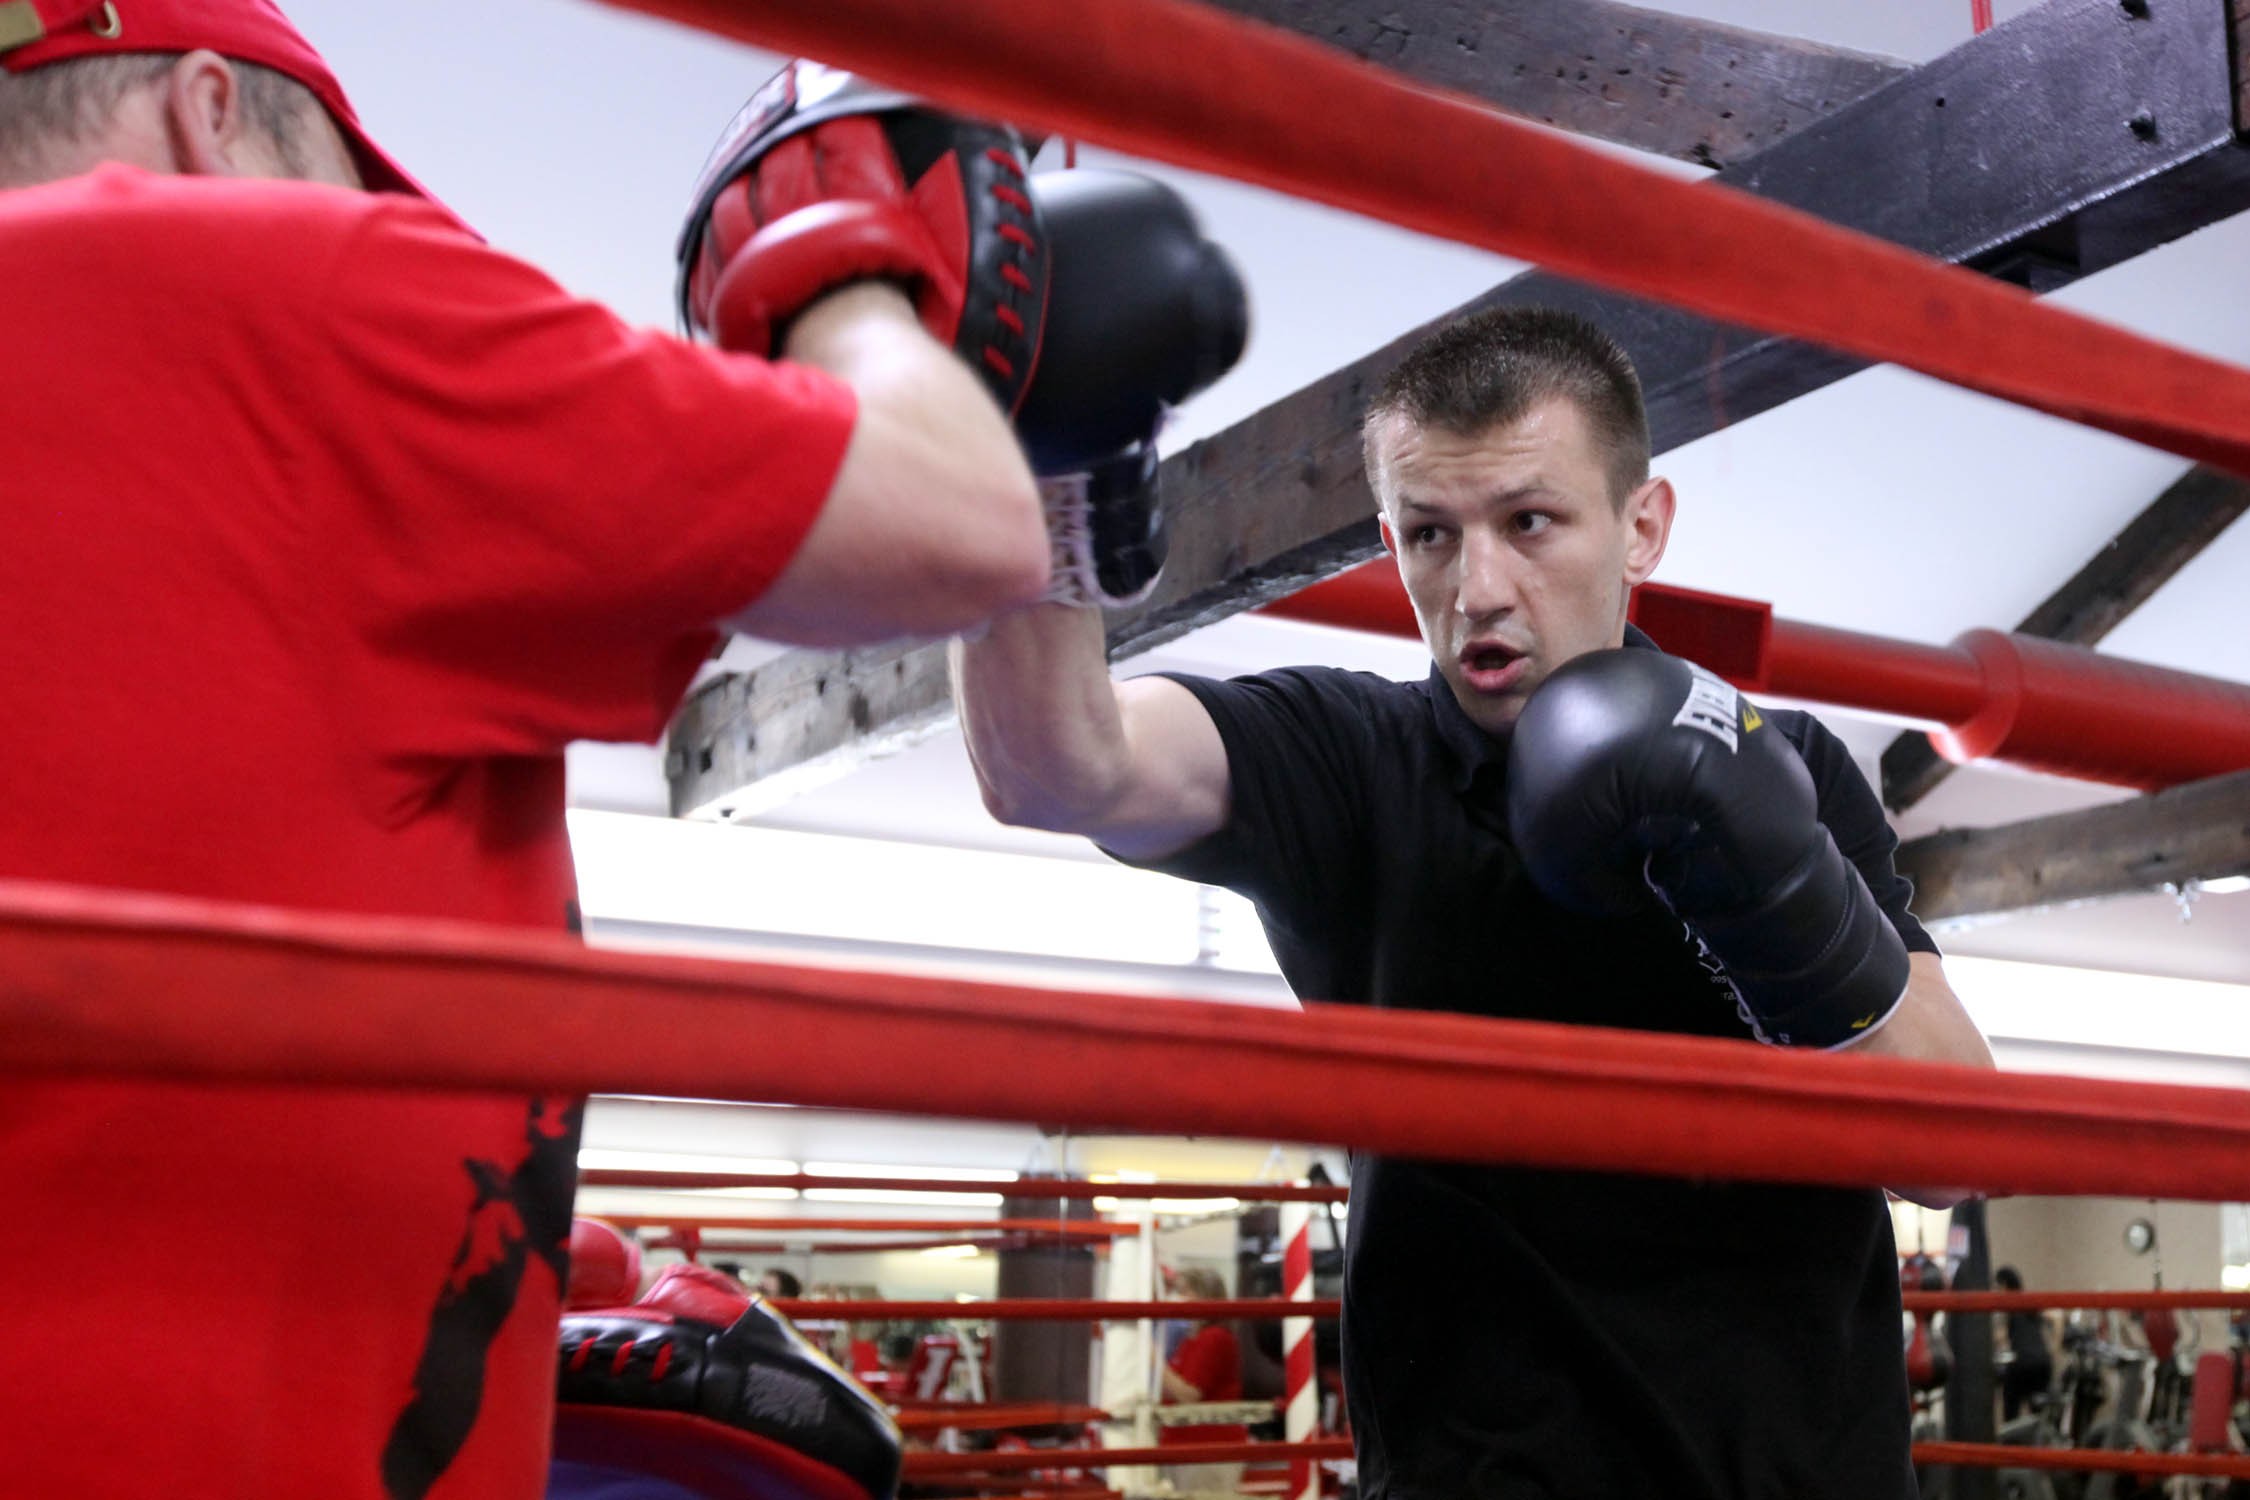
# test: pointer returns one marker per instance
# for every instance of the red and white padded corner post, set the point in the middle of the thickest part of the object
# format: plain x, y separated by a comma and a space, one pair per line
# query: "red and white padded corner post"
1300, 1379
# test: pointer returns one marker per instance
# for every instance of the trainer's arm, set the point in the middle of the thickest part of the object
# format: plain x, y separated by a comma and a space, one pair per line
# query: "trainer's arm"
933, 523
1137, 766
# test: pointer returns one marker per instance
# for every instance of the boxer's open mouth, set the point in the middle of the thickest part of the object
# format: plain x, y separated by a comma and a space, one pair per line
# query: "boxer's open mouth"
1489, 667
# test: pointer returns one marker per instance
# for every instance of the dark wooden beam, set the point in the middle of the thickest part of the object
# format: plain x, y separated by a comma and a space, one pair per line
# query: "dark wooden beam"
2135, 563
2015, 153
2239, 24
2196, 832
1694, 90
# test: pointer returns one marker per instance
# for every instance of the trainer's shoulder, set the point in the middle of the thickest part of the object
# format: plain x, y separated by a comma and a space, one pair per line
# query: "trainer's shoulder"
156, 229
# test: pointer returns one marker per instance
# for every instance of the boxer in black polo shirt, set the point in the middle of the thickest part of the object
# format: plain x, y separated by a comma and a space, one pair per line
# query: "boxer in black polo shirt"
1675, 860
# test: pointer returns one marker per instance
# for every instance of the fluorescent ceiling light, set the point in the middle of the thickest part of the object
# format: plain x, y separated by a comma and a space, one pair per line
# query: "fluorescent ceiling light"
866, 1169
610, 1158
2096, 1008
902, 1198
1175, 1207
953, 1252
677, 873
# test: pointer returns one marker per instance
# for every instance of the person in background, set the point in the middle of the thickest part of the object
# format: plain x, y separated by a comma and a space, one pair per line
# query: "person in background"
1207, 1366
2031, 1371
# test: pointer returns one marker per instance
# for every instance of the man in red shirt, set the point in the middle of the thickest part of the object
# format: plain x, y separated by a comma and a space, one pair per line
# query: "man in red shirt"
326, 528
1207, 1366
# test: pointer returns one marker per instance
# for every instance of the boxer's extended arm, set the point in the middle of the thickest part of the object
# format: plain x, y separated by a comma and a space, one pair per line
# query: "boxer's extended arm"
933, 523
1930, 1024
1137, 766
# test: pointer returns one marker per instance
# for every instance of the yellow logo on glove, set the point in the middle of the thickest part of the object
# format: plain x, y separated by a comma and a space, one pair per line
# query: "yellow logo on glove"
1751, 718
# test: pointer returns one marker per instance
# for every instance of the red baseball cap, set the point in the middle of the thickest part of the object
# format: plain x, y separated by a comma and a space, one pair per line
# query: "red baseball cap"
34, 33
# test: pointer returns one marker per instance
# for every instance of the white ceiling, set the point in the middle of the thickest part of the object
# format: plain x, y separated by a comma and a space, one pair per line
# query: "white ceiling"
570, 133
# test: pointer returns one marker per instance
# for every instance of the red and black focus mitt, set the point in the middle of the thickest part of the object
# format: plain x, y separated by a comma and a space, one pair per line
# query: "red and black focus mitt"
824, 179
704, 1389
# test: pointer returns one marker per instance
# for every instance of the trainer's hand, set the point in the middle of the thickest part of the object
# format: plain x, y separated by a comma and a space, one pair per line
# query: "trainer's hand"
825, 180
1632, 772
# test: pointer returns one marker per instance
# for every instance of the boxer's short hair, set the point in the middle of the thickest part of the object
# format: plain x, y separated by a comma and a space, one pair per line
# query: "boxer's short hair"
1491, 368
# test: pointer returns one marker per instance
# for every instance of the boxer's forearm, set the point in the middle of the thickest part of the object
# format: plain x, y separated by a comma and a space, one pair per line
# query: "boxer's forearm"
1041, 718
1136, 766
1930, 1024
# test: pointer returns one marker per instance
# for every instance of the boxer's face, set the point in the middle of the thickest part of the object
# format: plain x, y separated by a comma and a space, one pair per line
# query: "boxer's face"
1513, 549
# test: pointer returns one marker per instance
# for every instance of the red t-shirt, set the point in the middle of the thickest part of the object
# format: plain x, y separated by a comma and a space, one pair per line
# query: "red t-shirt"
1210, 1360
325, 527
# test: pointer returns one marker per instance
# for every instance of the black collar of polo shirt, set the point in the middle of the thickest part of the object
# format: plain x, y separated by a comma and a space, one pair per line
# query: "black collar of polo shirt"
1471, 747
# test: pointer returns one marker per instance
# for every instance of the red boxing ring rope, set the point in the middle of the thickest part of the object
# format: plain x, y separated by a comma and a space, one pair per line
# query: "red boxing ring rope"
1095, 1230
2106, 1460
1053, 1310
1230, 96
1976, 1302
1026, 1188
1027, 1309
713, 1244
100, 983
992, 1415
932, 1465
1960, 1455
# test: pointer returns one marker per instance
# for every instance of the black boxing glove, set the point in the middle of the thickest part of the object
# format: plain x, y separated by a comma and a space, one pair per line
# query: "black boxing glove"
697, 1347
1632, 772
1142, 313
823, 180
